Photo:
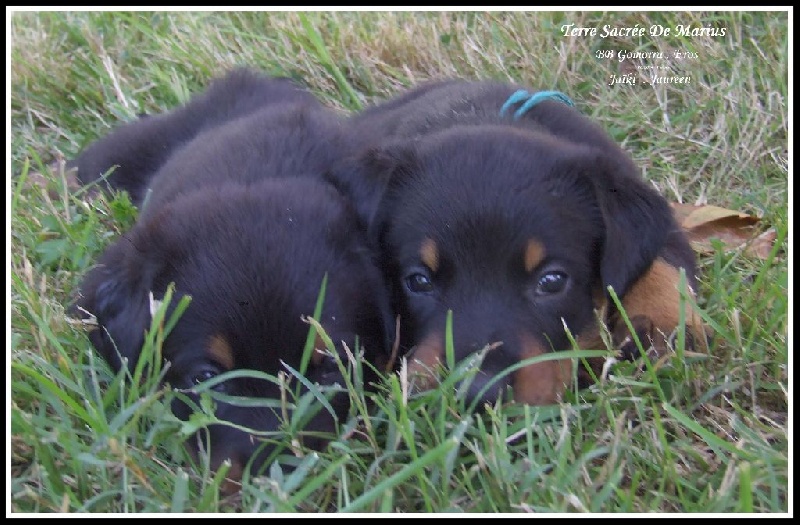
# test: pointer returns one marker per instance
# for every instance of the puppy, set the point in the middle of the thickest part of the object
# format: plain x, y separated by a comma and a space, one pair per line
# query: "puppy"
128, 157
516, 220
240, 220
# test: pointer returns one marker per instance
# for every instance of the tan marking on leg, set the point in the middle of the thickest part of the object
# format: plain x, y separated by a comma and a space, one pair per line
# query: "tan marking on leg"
429, 253
221, 352
425, 360
534, 254
540, 383
655, 296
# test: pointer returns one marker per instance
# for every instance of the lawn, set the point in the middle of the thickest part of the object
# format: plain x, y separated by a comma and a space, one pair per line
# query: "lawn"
706, 432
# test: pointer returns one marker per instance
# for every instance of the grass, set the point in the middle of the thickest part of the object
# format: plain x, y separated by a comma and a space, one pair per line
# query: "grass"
706, 433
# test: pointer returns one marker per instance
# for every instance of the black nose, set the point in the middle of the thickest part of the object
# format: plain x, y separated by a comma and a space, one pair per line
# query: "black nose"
490, 382
240, 448
486, 388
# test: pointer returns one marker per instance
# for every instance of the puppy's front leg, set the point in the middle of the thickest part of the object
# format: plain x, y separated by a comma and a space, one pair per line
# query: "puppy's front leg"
653, 305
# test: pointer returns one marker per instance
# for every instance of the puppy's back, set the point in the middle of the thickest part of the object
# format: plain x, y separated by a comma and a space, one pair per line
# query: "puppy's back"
439, 105
277, 141
136, 150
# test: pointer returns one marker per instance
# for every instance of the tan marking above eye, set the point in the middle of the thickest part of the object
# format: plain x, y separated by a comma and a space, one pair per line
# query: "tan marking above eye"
534, 254
429, 253
220, 351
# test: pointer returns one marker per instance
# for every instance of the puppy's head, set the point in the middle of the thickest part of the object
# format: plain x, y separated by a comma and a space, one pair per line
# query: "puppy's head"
252, 258
518, 233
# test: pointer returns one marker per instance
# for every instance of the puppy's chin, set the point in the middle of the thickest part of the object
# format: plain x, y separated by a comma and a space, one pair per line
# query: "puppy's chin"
199, 453
538, 383
252, 438
232, 449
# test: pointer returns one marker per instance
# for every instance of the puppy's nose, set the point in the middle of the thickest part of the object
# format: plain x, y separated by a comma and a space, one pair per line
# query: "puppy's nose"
489, 383
486, 388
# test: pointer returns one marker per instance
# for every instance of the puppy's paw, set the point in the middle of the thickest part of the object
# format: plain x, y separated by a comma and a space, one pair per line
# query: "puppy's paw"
656, 339
657, 309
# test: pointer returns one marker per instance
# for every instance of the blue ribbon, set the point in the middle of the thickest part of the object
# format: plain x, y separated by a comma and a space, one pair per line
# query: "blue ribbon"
531, 100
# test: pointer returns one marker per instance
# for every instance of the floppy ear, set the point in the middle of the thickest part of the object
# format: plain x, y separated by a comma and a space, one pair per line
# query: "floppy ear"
637, 222
368, 180
115, 292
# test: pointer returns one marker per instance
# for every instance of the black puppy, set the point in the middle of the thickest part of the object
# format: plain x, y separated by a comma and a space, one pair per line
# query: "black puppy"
130, 155
240, 220
516, 213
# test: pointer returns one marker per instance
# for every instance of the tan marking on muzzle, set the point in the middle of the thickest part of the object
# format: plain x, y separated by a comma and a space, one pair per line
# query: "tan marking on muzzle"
540, 383
233, 479
590, 339
429, 253
232, 482
425, 360
220, 351
319, 351
534, 254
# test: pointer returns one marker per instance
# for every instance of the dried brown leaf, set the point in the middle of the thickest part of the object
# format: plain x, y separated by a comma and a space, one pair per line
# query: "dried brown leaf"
733, 228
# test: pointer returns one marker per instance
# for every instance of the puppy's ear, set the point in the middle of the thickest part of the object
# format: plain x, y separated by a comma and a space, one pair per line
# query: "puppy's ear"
115, 292
368, 180
637, 222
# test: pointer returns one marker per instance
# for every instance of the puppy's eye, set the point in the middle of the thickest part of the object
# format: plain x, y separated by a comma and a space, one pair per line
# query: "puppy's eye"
205, 374
419, 283
551, 283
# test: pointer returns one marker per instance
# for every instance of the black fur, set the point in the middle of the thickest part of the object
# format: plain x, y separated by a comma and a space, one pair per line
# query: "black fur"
239, 219
133, 152
441, 163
